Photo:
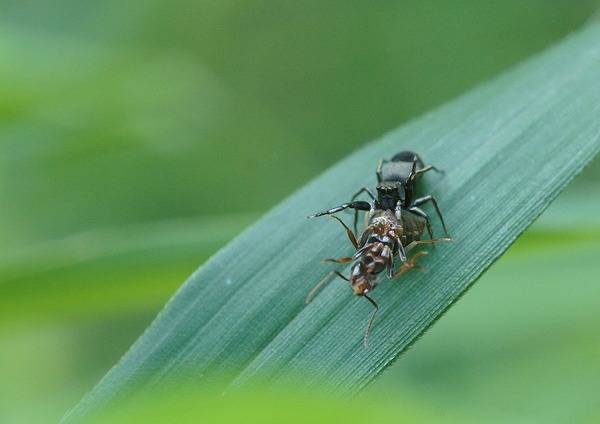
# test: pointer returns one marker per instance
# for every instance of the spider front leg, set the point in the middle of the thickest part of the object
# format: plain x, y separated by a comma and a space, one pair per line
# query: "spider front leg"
361, 205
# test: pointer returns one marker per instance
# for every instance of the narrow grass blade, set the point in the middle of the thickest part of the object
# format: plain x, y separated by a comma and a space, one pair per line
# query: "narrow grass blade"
507, 148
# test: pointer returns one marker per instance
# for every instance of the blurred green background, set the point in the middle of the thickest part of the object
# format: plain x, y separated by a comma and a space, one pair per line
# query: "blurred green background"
136, 138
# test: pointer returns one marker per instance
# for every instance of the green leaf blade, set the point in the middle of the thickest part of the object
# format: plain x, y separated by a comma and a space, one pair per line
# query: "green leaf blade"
507, 149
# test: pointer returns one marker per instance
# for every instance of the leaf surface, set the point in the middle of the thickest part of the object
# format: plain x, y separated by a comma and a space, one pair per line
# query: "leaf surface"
508, 149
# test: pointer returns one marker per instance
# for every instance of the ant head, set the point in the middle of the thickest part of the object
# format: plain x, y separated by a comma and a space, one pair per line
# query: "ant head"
361, 281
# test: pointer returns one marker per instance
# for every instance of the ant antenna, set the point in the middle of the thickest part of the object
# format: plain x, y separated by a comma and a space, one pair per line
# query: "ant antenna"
322, 283
366, 341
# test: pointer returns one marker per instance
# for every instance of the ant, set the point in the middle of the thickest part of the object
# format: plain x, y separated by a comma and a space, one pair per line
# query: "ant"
392, 227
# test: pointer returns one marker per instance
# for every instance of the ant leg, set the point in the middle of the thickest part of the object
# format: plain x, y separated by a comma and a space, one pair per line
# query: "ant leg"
322, 283
403, 249
351, 235
368, 330
417, 242
401, 252
410, 264
362, 205
340, 260
391, 264
422, 200
406, 263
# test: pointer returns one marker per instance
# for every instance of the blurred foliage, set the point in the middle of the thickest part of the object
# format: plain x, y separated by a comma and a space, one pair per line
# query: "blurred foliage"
136, 138
263, 406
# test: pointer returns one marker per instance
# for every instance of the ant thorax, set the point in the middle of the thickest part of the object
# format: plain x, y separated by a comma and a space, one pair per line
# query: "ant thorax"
383, 218
383, 227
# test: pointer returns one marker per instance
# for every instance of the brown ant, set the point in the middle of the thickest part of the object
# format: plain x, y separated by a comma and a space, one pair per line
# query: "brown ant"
392, 228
